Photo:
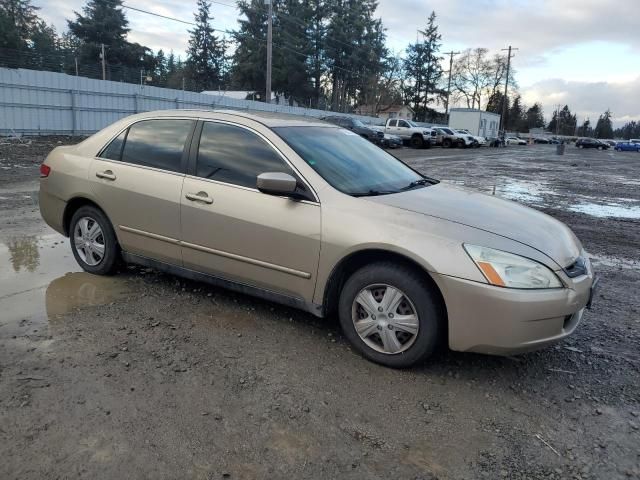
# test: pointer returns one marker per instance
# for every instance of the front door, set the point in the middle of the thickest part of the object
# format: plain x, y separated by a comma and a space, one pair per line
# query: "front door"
232, 230
137, 180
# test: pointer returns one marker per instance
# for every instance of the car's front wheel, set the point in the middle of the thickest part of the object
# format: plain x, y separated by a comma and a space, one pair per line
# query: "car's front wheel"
93, 241
390, 314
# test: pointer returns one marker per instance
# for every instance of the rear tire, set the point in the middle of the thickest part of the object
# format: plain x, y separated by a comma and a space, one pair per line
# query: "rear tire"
93, 241
446, 143
402, 335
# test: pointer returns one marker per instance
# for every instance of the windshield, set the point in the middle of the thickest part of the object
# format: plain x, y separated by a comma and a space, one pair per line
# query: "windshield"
413, 124
447, 131
350, 163
358, 123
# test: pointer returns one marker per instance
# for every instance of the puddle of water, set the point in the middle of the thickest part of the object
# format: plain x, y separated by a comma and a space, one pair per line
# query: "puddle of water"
538, 193
616, 262
606, 211
40, 279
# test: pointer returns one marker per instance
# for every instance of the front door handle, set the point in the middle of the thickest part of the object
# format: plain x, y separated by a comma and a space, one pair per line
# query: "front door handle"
107, 175
199, 197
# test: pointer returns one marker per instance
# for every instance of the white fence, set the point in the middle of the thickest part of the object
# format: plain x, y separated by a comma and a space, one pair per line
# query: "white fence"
45, 103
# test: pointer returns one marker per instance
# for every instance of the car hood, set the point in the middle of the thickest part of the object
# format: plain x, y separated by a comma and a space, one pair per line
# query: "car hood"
491, 214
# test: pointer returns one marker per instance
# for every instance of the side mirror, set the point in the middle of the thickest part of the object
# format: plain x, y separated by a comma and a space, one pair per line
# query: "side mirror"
276, 183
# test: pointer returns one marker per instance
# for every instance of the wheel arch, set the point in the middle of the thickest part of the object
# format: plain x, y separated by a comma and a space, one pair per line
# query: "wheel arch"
355, 260
72, 207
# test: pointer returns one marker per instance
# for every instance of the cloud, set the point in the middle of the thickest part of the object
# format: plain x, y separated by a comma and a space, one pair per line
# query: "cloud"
588, 99
535, 27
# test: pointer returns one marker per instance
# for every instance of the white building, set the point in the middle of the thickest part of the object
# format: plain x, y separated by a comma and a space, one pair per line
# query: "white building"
386, 111
478, 122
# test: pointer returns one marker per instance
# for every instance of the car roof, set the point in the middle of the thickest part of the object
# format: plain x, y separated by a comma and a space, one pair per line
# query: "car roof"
269, 119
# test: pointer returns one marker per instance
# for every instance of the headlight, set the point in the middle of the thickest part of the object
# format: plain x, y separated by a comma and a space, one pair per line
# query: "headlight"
513, 271
426, 133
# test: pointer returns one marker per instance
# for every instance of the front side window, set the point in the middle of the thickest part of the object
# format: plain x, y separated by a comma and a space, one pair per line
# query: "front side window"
156, 143
235, 155
348, 162
402, 123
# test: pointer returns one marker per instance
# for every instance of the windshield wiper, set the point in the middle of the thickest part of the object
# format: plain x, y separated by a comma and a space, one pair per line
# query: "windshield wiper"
373, 193
417, 183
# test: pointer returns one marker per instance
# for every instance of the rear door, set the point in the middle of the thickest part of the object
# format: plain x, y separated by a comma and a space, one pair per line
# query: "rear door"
137, 180
232, 230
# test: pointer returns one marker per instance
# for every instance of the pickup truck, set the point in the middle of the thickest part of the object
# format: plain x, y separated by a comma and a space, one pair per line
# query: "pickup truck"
447, 137
408, 131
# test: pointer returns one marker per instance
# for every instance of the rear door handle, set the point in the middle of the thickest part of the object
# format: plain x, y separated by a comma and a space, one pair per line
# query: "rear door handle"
107, 175
199, 197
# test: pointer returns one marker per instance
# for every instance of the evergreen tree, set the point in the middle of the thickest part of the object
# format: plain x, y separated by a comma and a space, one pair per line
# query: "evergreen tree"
205, 52
160, 68
515, 115
534, 117
604, 128
585, 130
422, 67
250, 57
354, 50
104, 22
18, 20
563, 122
628, 130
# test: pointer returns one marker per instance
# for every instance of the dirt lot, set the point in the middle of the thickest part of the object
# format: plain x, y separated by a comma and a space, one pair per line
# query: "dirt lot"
144, 375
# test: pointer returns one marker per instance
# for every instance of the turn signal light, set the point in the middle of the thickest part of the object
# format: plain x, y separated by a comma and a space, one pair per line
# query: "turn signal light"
45, 170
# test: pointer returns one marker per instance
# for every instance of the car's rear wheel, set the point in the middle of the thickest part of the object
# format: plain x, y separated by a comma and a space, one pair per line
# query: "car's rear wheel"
461, 144
93, 241
417, 141
446, 143
390, 314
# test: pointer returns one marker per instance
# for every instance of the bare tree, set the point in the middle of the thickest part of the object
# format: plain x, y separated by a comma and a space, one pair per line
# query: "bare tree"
472, 75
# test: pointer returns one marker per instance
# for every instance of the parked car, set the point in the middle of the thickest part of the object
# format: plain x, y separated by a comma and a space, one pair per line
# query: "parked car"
591, 143
481, 141
388, 140
611, 143
410, 132
635, 140
515, 141
356, 126
313, 216
541, 140
447, 137
627, 147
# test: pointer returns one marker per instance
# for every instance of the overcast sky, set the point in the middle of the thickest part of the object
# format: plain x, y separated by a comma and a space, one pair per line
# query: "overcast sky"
584, 53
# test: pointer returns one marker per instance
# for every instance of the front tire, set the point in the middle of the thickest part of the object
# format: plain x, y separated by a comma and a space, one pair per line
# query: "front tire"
417, 141
446, 143
390, 314
93, 241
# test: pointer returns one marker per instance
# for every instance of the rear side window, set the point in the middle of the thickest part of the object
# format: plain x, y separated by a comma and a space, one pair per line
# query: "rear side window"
114, 149
234, 155
155, 143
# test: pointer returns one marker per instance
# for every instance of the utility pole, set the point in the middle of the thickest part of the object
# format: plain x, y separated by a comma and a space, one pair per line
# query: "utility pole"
269, 47
506, 86
451, 54
104, 71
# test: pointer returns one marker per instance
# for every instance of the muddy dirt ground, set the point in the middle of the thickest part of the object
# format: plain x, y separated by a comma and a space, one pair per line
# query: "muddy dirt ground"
144, 375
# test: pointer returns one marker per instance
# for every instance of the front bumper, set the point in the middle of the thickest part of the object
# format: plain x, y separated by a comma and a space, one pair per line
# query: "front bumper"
502, 321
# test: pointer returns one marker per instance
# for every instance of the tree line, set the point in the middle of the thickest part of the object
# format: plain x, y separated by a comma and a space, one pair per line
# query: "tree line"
327, 54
